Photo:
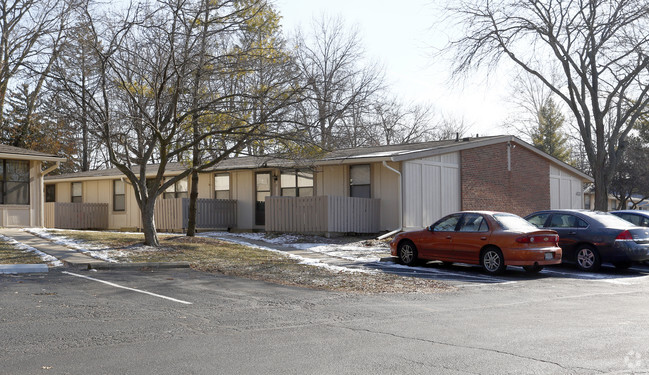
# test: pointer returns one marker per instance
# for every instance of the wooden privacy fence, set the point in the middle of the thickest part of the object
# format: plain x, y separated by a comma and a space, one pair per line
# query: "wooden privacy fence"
322, 214
76, 215
172, 214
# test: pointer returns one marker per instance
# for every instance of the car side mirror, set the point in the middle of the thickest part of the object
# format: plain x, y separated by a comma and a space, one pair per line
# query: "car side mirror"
430, 228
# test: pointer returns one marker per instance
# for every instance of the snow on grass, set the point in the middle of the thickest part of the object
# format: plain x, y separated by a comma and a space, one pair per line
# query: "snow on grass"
357, 251
52, 261
230, 237
98, 252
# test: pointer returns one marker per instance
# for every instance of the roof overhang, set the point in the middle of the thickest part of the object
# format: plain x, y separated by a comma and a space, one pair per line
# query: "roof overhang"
405, 155
5, 155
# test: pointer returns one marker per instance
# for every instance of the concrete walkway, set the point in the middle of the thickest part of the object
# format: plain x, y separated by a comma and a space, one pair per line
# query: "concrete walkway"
63, 253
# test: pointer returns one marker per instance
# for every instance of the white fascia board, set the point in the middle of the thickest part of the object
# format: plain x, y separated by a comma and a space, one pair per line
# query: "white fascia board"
458, 146
488, 142
97, 178
561, 164
31, 157
352, 160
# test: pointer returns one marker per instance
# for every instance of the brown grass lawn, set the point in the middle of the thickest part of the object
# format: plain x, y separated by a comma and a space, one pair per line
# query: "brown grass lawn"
10, 254
213, 255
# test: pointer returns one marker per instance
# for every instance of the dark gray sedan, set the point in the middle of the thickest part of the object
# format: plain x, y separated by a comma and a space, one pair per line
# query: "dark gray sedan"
637, 217
589, 238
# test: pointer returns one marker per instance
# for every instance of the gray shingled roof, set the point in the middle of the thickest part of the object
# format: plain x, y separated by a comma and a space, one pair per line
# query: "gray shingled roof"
396, 150
246, 162
114, 172
389, 152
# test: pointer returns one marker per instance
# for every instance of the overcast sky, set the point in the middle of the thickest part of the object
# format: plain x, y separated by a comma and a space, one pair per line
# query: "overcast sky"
403, 37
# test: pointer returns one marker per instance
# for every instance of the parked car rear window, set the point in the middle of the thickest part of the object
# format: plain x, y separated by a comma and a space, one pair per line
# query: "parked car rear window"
610, 220
513, 222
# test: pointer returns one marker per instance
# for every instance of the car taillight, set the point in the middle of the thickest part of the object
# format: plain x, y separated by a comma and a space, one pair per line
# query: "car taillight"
624, 236
550, 238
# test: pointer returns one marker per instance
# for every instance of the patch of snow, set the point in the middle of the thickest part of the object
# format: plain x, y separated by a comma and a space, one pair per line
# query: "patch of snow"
357, 251
52, 261
259, 237
97, 252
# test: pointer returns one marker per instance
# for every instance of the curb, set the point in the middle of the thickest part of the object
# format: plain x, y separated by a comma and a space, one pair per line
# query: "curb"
23, 268
130, 266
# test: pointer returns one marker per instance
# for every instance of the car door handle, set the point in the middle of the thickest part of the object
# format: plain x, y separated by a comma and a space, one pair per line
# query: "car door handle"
448, 237
572, 233
483, 238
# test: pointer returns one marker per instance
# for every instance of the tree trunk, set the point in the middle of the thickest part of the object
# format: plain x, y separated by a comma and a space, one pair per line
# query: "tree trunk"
193, 196
196, 150
601, 191
148, 223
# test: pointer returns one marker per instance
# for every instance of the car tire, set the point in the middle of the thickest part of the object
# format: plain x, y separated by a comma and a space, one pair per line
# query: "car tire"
407, 253
533, 268
492, 261
622, 265
588, 258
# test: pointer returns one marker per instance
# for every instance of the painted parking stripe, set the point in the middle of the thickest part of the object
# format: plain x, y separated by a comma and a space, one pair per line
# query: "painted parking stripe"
127, 288
410, 270
615, 279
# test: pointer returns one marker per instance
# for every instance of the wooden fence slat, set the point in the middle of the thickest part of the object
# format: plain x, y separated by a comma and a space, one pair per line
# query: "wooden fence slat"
76, 215
322, 214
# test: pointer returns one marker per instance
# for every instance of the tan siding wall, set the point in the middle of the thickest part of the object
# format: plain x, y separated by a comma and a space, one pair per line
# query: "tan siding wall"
206, 185
63, 192
331, 180
36, 198
385, 186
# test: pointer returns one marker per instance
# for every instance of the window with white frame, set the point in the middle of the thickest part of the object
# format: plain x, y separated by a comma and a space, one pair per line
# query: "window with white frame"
15, 181
119, 195
359, 183
177, 190
222, 186
297, 183
77, 192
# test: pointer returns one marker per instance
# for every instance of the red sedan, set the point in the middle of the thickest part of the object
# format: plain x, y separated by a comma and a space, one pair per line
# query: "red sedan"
493, 240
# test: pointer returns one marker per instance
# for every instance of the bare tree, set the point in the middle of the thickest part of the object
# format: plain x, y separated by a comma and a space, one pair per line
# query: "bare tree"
395, 122
31, 33
339, 83
600, 48
163, 88
77, 65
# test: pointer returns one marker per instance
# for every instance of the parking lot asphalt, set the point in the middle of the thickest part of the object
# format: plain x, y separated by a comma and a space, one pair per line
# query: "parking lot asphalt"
102, 322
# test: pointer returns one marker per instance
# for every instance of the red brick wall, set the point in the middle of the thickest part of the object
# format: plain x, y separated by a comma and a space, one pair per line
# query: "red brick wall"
488, 185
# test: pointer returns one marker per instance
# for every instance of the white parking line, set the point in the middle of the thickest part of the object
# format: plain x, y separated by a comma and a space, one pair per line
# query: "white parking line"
127, 288
433, 271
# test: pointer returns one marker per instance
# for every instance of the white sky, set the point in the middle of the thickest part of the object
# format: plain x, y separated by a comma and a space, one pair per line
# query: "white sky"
402, 36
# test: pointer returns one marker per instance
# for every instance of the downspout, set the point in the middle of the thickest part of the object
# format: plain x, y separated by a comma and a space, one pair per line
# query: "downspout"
385, 164
43, 174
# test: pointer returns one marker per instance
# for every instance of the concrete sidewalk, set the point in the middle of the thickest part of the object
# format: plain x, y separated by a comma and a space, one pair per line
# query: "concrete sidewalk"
63, 253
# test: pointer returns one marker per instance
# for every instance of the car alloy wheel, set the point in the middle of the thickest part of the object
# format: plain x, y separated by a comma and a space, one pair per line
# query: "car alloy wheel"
407, 253
587, 259
492, 261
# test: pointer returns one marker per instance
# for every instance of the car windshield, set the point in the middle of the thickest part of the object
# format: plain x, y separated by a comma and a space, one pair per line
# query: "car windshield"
513, 222
610, 220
